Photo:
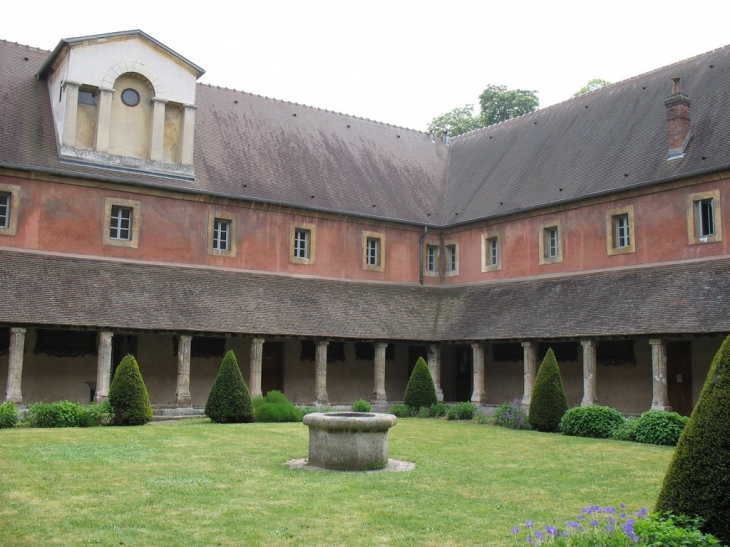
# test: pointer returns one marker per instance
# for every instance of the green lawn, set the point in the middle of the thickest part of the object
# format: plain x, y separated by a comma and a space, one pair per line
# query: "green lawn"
196, 483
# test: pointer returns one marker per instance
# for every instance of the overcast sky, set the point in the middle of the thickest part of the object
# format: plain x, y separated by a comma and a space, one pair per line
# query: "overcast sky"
399, 62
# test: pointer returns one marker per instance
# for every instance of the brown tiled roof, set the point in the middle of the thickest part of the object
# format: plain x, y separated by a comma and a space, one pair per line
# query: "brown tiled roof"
78, 292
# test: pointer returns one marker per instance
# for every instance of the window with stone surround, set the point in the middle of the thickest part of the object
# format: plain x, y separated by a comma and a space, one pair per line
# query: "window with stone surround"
221, 234
620, 237
491, 252
9, 201
121, 222
373, 251
451, 249
550, 242
302, 238
431, 259
704, 220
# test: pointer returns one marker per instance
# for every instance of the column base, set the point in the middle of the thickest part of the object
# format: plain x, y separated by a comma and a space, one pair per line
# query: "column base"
100, 398
184, 402
17, 399
440, 396
665, 408
479, 399
588, 402
379, 398
322, 401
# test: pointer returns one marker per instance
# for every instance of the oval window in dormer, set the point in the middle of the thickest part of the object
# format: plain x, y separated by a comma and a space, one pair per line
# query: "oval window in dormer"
130, 97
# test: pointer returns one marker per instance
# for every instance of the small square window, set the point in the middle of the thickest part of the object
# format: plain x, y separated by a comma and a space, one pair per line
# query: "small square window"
620, 237
301, 248
551, 247
4, 210
491, 252
451, 249
221, 234
373, 257
9, 203
704, 222
121, 222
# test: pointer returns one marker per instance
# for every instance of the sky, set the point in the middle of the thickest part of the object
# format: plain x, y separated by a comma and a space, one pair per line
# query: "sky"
401, 62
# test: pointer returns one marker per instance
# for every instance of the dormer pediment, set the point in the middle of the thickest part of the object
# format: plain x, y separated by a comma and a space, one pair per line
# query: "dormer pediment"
123, 100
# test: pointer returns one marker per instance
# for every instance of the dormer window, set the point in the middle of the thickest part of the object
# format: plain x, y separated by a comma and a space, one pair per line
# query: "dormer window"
130, 97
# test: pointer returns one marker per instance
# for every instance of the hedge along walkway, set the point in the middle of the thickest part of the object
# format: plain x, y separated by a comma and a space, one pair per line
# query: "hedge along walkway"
196, 483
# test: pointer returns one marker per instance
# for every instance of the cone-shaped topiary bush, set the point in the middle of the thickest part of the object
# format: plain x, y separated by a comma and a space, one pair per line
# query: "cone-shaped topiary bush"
128, 395
229, 400
697, 482
548, 403
420, 391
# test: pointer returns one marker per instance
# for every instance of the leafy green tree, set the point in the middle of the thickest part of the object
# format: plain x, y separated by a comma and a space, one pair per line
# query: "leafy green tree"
499, 104
548, 403
460, 120
128, 395
592, 85
697, 482
420, 391
229, 400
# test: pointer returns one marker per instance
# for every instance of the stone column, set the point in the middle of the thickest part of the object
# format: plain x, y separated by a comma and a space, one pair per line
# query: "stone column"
659, 371
182, 395
158, 128
379, 380
530, 356
104, 121
254, 383
103, 366
188, 131
589, 373
320, 374
478, 396
70, 113
434, 365
13, 390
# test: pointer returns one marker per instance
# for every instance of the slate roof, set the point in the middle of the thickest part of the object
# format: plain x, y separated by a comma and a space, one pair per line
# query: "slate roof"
80, 292
612, 139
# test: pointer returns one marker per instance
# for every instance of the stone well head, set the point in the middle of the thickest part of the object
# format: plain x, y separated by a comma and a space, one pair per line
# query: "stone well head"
349, 441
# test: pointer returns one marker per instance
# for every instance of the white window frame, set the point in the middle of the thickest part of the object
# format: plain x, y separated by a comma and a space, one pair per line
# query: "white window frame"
134, 208
695, 225
547, 243
302, 239
221, 234
488, 239
431, 258
213, 238
451, 252
373, 251
120, 223
10, 226
614, 217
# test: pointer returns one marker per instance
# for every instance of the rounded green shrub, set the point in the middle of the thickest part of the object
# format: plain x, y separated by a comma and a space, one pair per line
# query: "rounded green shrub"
400, 410
511, 415
697, 481
627, 430
660, 427
229, 400
128, 395
8, 415
437, 410
461, 411
548, 403
275, 407
361, 405
57, 414
420, 390
99, 414
598, 422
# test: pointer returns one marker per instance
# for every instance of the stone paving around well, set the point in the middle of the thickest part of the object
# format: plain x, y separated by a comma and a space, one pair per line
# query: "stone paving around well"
393, 465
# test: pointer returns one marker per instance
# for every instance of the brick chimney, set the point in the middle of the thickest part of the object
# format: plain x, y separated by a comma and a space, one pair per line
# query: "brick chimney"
678, 120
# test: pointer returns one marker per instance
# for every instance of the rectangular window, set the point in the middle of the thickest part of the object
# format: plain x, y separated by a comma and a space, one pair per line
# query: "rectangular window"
431, 258
4, 210
221, 234
373, 252
301, 243
120, 225
87, 97
492, 252
622, 233
704, 219
451, 257
551, 242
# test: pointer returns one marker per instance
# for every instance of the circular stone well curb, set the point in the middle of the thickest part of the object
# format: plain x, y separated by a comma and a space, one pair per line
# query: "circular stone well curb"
393, 465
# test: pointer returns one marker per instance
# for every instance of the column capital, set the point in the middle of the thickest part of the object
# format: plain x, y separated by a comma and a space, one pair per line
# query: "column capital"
529, 344
323, 342
105, 335
381, 344
588, 343
159, 100
71, 83
187, 106
258, 340
17, 330
182, 337
478, 345
107, 89
657, 341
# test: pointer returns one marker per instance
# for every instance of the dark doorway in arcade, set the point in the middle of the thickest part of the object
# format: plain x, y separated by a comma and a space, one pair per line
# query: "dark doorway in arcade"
463, 376
271, 367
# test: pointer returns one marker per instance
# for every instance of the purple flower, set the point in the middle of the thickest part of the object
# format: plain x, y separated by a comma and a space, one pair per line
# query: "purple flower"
571, 524
538, 535
628, 527
564, 533
515, 530
623, 506
529, 524
634, 537
594, 523
579, 517
609, 528
610, 519
623, 515
610, 510
551, 530
529, 539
